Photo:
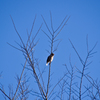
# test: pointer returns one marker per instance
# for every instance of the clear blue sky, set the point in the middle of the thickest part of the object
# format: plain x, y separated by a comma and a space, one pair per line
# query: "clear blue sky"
85, 19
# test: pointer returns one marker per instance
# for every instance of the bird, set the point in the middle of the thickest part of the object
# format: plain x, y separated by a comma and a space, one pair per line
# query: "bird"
49, 59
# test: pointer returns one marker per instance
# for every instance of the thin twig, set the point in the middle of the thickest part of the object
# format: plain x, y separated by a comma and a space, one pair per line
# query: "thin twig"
62, 27
17, 32
31, 31
46, 25
77, 52
46, 35
5, 94
61, 24
19, 80
48, 79
57, 84
51, 22
15, 47
89, 53
41, 78
34, 38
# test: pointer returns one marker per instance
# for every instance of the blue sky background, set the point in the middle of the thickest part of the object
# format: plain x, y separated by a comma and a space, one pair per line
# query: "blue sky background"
85, 19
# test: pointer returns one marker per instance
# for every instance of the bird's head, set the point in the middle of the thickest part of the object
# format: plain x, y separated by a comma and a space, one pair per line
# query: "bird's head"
52, 54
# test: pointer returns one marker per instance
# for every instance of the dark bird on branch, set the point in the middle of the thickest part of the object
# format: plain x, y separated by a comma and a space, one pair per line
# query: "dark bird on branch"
50, 58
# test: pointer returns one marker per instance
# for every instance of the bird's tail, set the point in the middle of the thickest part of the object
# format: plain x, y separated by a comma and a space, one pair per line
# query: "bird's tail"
46, 64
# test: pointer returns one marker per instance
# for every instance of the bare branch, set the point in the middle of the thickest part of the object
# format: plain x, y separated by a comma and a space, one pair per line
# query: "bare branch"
51, 22
5, 94
89, 53
35, 76
15, 47
17, 32
41, 77
37, 32
93, 48
71, 80
46, 24
57, 46
57, 84
47, 35
30, 31
48, 80
48, 51
61, 24
62, 27
52, 40
76, 52
19, 80
62, 89
34, 38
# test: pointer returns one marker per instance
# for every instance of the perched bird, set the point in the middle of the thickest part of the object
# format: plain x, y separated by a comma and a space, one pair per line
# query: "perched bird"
50, 58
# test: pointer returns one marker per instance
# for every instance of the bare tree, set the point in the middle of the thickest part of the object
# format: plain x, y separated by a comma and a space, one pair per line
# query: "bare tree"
73, 90
28, 52
67, 83
52, 38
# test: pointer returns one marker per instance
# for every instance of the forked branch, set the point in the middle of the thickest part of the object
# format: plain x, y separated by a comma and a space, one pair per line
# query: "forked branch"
27, 51
52, 38
84, 64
